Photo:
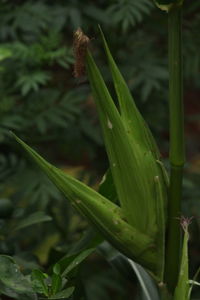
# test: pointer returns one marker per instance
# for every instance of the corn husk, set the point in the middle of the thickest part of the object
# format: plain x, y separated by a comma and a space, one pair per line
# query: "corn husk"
137, 228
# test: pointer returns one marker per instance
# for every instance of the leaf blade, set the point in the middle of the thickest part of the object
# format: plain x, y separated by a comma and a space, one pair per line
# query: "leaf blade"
182, 288
32, 219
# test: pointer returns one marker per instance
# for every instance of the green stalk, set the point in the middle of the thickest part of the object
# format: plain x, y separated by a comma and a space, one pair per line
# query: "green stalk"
177, 151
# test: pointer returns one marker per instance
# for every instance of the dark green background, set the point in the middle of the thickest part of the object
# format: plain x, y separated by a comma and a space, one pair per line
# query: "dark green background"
52, 111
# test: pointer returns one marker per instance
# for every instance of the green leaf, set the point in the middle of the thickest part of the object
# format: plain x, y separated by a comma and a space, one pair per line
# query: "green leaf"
128, 13
68, 263
56, 269
148, 287
12, 279
193, 281
130, 115
129, 269
38, 280
32, 219
5, 53
182, 288
31, 81
91, 239
63, 294
56, 283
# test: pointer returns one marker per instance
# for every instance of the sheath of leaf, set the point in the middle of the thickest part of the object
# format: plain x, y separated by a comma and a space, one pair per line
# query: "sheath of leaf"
137, 229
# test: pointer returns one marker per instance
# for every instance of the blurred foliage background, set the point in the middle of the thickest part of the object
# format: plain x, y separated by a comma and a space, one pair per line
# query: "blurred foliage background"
52, 111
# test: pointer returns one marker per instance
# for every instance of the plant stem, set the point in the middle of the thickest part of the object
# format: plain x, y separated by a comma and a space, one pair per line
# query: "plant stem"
177, 147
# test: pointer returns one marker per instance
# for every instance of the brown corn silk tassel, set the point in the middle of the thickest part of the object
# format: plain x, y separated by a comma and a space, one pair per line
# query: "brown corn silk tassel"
80, 46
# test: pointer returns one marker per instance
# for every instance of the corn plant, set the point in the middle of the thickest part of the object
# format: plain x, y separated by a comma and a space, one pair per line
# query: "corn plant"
145, 224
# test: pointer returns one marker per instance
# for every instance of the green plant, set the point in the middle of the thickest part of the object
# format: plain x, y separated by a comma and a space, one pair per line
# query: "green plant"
43, 47
57, 285
137, 171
